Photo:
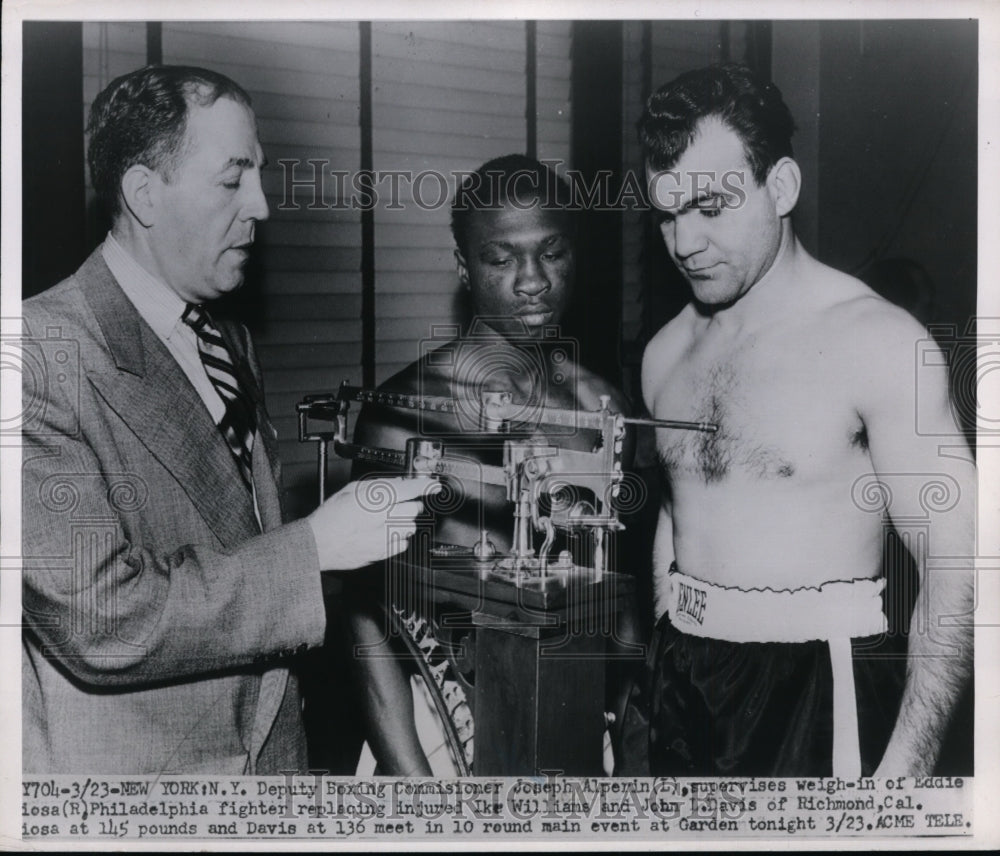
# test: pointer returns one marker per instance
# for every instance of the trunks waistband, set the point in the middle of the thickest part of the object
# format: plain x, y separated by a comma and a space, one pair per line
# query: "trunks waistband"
840, 609
834, 612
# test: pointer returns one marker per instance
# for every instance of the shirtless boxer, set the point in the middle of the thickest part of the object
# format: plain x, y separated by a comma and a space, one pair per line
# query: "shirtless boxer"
768, 552
515, 257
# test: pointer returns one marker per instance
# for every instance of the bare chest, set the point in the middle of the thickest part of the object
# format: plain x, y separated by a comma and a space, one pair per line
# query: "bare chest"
779, 416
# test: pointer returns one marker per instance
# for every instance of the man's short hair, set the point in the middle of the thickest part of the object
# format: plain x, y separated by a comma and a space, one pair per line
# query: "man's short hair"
752, 108
141, 118
516, 178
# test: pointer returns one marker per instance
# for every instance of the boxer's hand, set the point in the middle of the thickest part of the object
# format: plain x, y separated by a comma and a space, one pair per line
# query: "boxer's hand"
368, 521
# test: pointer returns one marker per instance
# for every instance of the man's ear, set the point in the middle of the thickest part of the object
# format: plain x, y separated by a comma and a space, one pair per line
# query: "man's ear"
463, 269
783, 183
139, 193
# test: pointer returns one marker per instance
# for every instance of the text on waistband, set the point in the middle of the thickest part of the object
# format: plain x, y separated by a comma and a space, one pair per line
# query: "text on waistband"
691, 602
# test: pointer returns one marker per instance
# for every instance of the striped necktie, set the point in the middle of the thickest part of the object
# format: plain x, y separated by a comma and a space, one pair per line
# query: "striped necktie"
238, 423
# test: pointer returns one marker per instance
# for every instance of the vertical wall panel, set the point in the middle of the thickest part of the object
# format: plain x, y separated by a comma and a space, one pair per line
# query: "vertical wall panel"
109, 50
53, 238
682, 45
553, 90
447, 96
633, 222
675, 46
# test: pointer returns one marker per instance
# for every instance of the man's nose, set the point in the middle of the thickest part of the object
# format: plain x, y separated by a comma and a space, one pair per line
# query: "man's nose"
689, 237
255, 205
531, 278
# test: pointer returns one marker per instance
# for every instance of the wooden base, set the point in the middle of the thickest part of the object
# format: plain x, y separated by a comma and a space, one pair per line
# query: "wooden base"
539, 663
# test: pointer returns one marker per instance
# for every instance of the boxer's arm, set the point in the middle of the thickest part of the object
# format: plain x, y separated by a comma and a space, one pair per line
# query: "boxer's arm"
921, 457
663, 557
386, 694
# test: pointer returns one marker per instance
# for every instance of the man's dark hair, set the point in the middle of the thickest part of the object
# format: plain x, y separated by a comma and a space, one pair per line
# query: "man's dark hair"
141, 118
511, 178
752, 108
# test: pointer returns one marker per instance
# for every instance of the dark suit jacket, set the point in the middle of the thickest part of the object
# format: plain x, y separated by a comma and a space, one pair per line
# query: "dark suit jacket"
158, 620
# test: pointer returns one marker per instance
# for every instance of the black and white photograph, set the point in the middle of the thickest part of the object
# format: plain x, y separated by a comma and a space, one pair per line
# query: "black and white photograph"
427, 427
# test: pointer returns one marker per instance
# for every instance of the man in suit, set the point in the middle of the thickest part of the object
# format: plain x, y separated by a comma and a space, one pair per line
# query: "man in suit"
163, 598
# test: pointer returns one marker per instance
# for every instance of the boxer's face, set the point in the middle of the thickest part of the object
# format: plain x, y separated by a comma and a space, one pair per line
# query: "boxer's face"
721, 228
209, 203
519, 264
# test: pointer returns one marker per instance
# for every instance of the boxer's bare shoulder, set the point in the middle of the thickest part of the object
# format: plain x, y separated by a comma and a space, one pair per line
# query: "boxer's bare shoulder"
665, 351
390, 427
591, 388
863, 345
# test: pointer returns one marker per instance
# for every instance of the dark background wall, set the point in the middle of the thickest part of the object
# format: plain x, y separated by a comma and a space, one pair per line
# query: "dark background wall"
898, 148
52, 221
887, 139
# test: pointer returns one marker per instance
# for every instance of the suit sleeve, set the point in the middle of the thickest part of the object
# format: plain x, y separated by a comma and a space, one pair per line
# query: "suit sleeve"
102, 596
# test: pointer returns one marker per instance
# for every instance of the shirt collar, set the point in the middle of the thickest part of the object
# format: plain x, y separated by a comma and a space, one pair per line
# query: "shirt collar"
159, 305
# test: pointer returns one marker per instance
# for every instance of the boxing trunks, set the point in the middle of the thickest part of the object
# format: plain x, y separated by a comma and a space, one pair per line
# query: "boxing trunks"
758, 682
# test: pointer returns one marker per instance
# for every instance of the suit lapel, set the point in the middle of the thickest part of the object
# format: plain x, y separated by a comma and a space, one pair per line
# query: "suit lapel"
149, 391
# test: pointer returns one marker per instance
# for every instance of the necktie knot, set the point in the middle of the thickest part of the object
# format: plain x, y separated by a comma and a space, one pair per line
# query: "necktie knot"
196, 317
